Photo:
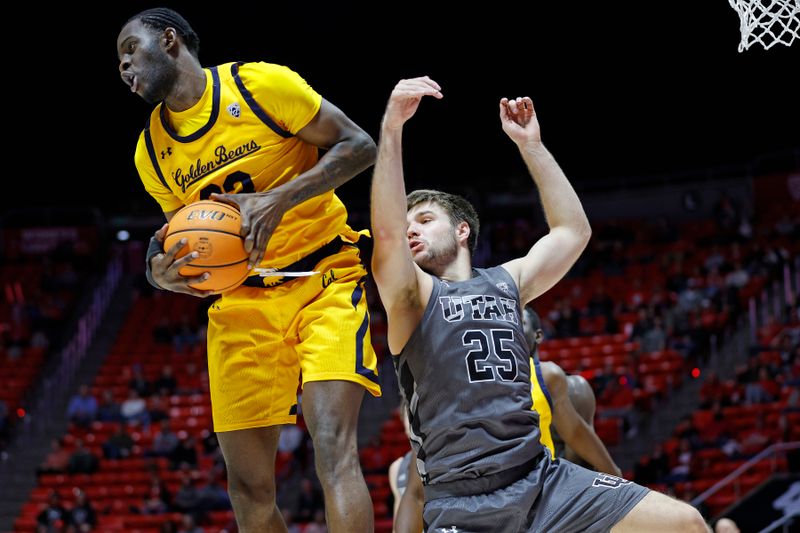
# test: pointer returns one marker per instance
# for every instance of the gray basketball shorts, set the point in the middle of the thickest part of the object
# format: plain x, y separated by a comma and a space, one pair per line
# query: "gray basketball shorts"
556, 496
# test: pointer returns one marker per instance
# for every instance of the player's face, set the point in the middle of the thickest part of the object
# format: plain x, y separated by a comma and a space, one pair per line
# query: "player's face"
143, 65
431, 236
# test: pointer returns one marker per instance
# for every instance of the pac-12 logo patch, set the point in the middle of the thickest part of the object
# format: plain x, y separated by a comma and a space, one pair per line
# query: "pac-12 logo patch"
234, 110
609, 481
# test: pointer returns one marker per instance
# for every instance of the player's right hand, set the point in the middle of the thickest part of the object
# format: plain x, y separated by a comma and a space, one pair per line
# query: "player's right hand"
405, 98
166, 269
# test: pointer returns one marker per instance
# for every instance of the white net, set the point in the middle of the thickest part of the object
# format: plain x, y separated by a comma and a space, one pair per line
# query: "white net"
767, 22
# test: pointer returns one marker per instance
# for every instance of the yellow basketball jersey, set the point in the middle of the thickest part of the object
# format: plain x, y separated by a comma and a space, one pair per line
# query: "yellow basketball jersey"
239, 138
542, 404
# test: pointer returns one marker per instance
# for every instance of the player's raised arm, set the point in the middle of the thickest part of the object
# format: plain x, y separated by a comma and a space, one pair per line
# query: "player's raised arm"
551, 257
397, 277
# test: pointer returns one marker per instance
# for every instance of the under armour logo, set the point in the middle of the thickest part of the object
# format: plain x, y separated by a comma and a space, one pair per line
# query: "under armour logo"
165, 153
234, 110
451, 529
503, 286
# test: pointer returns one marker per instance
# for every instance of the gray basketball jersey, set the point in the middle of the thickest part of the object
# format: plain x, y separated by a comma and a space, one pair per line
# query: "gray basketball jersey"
402, 473
465, 374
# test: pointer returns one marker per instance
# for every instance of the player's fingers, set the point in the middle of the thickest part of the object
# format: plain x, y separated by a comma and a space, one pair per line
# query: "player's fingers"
185, 260
161, 233
173, 251
229, 199
257, 248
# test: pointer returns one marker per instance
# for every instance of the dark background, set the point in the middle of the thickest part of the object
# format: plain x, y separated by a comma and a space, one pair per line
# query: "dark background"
630, 92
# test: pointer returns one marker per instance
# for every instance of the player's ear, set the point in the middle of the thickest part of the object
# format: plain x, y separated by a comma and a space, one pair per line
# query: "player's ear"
169, 38
463, 231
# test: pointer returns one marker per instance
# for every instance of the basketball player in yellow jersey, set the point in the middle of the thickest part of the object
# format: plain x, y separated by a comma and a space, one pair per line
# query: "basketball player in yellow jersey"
565, 404
249, 135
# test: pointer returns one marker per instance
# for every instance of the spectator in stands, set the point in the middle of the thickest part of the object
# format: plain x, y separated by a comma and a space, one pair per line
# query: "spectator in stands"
109, 409
188, 497
158, 406
568, 322
139, 382
56, 461
83, 516
762, 390
655, 337
738, 277
53, 517
156, 501
165, 441
213, 496
189, 525
134, 408
82, 408
166, 382
682, 467
185, 453
119, 445
82, 460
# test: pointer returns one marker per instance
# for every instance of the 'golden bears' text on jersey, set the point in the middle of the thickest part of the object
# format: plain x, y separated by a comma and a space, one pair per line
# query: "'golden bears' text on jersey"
239, 138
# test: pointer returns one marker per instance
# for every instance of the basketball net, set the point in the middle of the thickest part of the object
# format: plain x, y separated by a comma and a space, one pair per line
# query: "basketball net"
767, 22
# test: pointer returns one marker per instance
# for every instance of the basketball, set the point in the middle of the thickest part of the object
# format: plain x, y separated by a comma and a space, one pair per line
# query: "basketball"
212, 230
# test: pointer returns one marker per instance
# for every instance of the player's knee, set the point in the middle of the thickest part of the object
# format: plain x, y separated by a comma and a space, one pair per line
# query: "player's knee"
336, 453
251, 486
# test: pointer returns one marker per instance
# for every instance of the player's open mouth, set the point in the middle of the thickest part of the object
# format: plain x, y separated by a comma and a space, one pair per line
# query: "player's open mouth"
415, 245
130, 79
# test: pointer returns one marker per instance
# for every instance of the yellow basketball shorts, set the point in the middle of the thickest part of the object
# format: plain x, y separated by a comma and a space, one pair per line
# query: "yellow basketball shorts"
262, 340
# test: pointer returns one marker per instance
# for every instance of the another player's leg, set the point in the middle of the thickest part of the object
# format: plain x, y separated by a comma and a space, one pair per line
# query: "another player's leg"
331, 411
250, 460
658, 512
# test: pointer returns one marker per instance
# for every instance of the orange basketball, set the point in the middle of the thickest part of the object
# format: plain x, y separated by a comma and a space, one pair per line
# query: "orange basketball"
212, 230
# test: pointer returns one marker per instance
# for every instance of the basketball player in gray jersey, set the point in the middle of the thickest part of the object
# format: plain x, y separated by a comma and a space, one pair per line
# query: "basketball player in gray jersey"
462, 358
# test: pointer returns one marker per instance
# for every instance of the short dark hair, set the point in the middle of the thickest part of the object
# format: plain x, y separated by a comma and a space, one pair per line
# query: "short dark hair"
161, 18
536, 327
457, 208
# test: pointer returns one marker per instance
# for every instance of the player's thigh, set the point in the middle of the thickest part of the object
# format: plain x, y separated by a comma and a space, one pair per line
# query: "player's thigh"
657, 512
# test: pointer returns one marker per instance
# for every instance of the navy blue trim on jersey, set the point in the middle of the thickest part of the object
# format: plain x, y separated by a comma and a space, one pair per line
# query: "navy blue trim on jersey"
360, 368
254, 107
151, 151
215, 88
356, 296
540, 379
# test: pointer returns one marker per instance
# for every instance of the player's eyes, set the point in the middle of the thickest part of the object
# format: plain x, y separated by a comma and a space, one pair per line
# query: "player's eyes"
131, 47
